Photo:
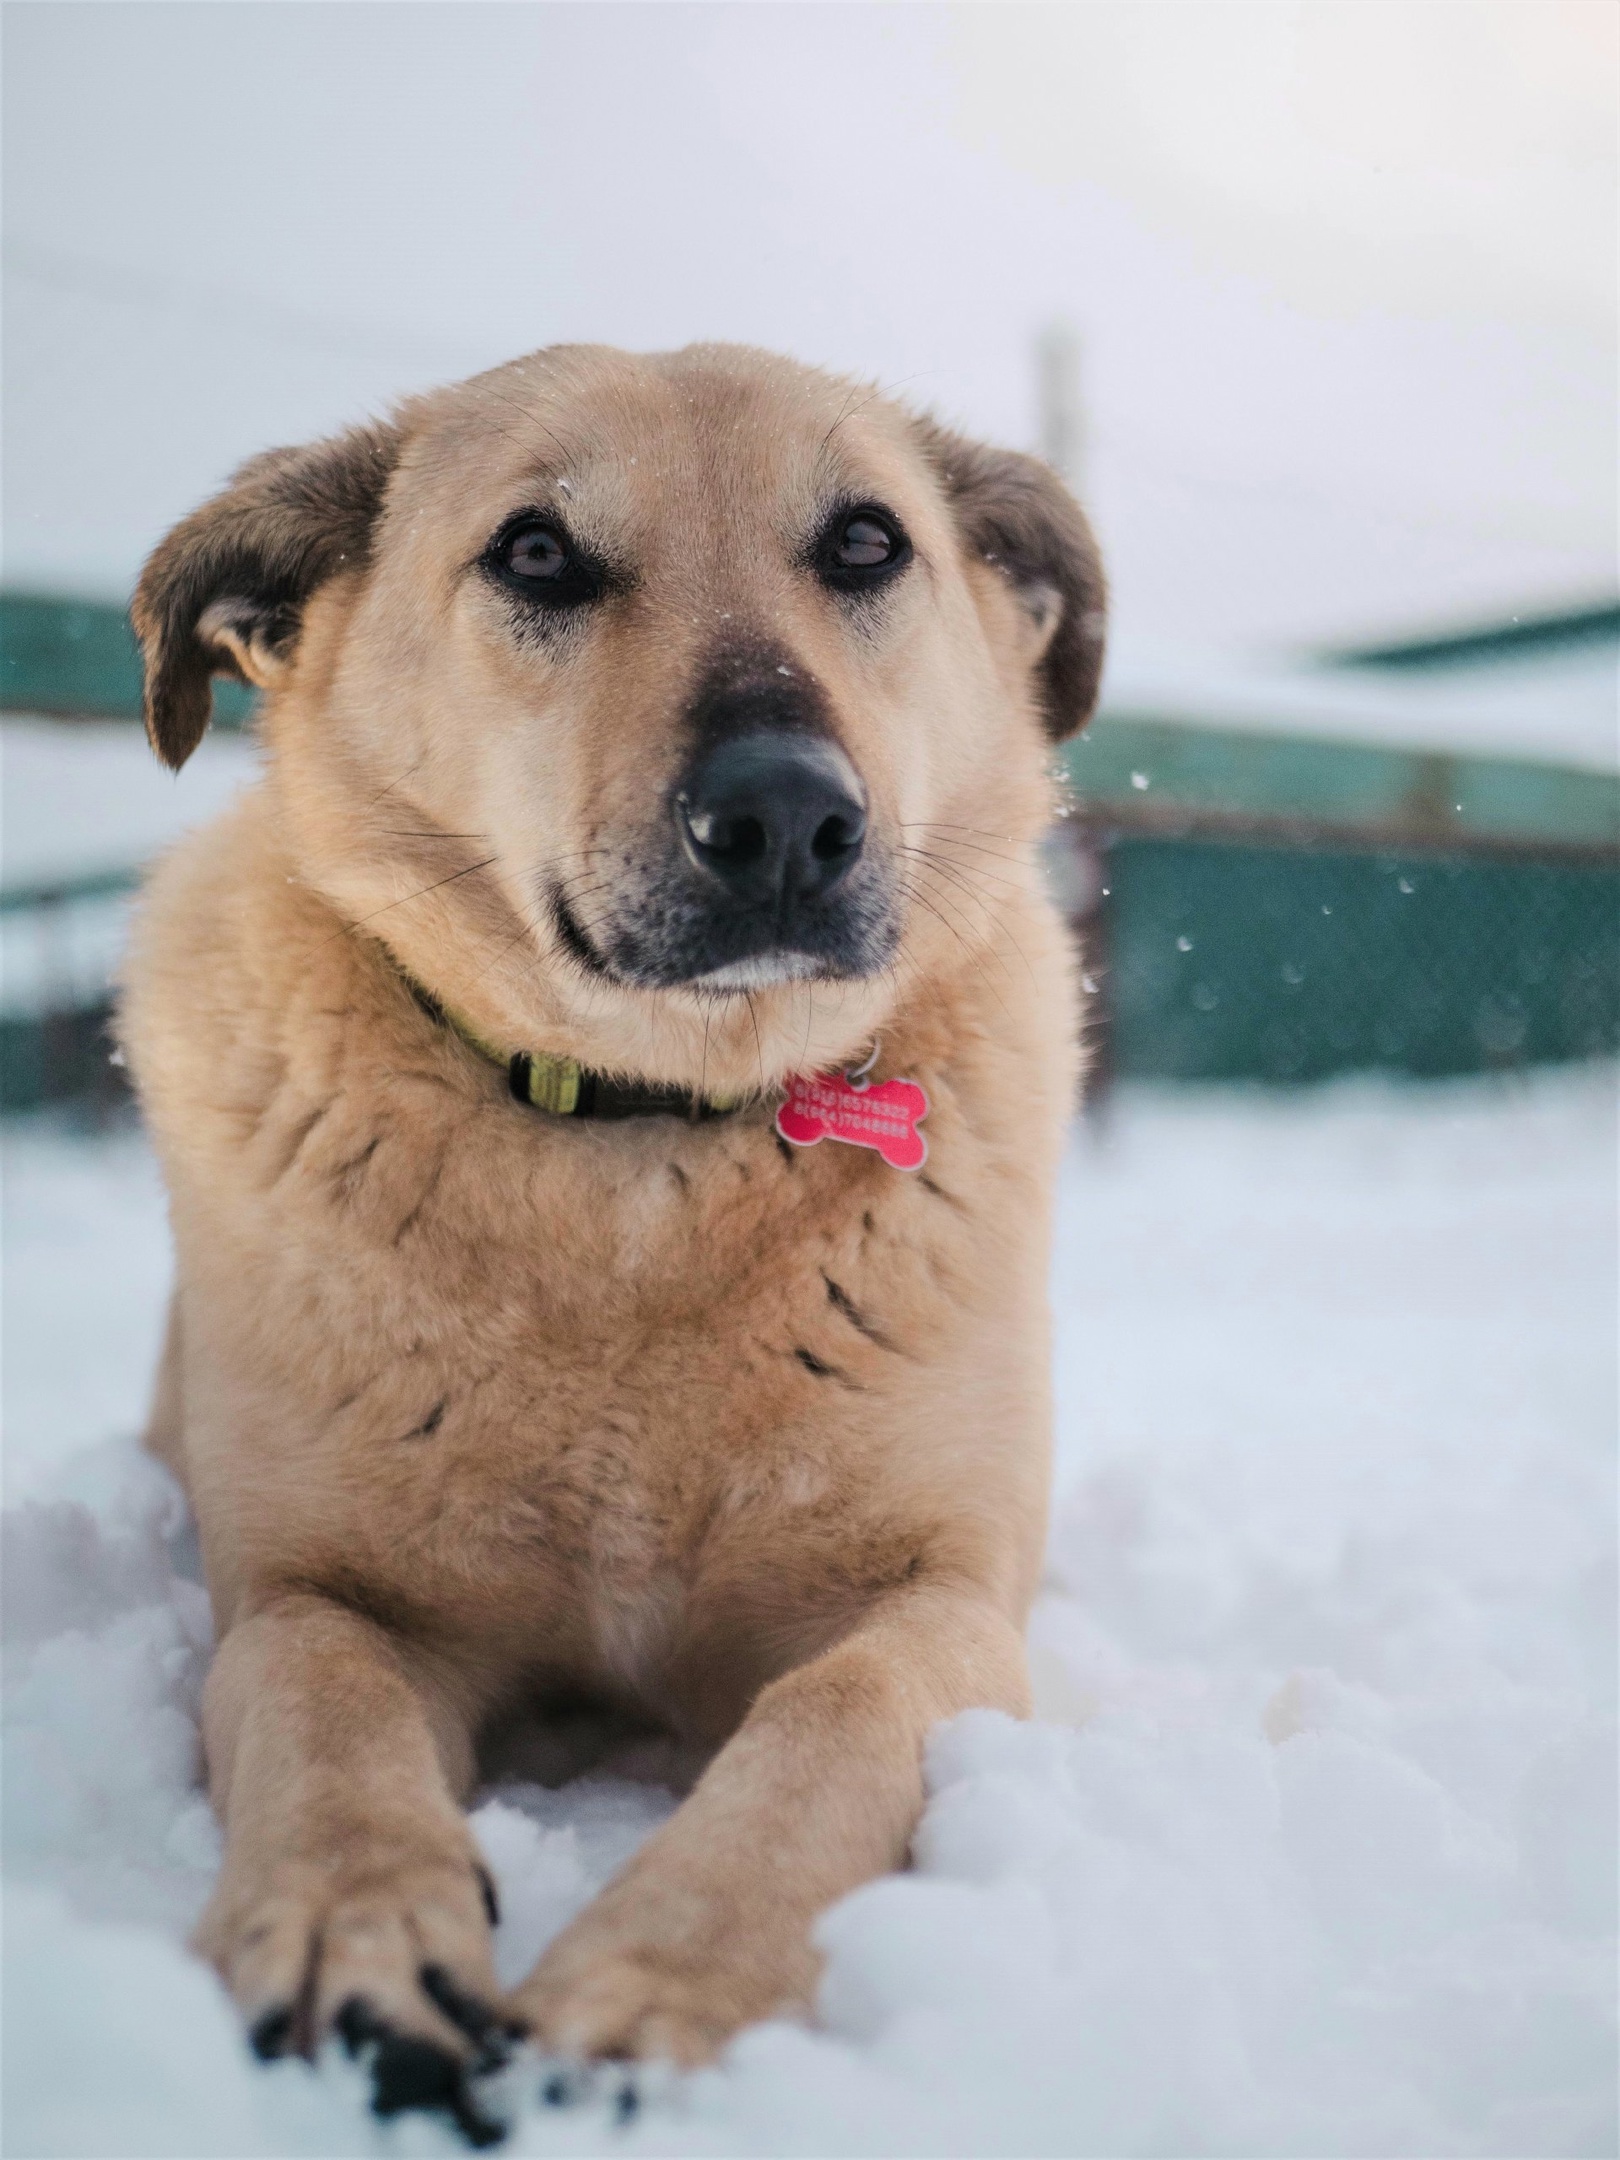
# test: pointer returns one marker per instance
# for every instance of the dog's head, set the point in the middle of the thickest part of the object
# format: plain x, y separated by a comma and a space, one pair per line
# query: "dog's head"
673, 713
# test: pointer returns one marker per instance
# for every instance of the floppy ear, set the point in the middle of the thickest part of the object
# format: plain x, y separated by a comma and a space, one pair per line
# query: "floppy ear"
223, 594
1015, 512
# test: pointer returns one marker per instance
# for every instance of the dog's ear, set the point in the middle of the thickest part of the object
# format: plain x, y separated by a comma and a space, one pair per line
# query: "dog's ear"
1016, 513
224, 593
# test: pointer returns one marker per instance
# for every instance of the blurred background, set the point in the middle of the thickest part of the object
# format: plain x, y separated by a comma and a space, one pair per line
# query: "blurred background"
1313, 303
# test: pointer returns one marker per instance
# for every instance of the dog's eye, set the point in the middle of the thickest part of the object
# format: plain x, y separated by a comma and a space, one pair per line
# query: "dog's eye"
861, 549
534, 551
865, 542
535, 556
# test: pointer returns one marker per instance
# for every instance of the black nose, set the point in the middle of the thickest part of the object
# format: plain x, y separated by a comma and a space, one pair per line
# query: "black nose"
775, 817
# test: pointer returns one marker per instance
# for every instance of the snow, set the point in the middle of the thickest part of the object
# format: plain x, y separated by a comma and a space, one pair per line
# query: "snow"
1312, 1849
80, 799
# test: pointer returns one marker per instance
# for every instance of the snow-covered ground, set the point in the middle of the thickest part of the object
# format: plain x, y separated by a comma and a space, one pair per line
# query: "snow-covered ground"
1313, 1852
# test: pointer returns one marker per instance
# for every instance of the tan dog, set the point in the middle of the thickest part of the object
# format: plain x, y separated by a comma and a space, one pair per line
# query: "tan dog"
640, 732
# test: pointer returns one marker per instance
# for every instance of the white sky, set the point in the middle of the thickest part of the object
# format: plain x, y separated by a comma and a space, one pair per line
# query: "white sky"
1343, 271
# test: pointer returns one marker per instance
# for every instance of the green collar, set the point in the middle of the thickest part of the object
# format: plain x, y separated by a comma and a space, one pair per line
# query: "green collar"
562, 1087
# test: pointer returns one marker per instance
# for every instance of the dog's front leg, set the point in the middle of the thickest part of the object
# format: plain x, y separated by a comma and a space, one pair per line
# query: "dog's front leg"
819, 1790
351, 1897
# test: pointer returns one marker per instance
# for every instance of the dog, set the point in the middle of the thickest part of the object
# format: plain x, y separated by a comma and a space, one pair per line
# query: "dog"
653, 746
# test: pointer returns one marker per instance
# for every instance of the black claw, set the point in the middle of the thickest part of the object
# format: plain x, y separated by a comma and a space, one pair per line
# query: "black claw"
271, 2033
479, 2130
356, 2024
410, 2073
559, 2090
490, 2034
459, 2007
626, 2104
492, 1902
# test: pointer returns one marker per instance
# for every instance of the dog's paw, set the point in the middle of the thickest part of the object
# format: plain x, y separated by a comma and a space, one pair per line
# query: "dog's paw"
391, 1959
633, 2008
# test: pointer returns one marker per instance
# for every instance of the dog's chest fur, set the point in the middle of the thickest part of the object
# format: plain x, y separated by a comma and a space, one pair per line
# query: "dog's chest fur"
632, 1405
638, 1407
616, 1450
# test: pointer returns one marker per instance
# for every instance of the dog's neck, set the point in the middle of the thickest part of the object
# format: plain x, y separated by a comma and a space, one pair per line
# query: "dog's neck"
562, 1087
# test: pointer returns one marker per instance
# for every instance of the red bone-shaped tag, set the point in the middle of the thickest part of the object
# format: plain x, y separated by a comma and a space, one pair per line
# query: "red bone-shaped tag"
884, 1115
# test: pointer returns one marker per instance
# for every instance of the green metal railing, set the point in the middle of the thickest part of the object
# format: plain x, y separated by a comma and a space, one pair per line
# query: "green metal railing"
1287, 964
78, 658
1520, 637
1284, 908
1254, 906
1154, 776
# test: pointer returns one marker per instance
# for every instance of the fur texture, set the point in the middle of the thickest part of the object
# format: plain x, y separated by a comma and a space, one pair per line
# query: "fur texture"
514, 1438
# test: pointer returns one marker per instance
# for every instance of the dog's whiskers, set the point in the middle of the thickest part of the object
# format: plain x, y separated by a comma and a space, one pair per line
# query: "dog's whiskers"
974, 871
960, 874
365, 808
979, 832
759, 1046
976, 955
421, 893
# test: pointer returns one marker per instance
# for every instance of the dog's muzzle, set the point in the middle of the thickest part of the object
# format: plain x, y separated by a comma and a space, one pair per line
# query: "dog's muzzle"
762, 867
775, 820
